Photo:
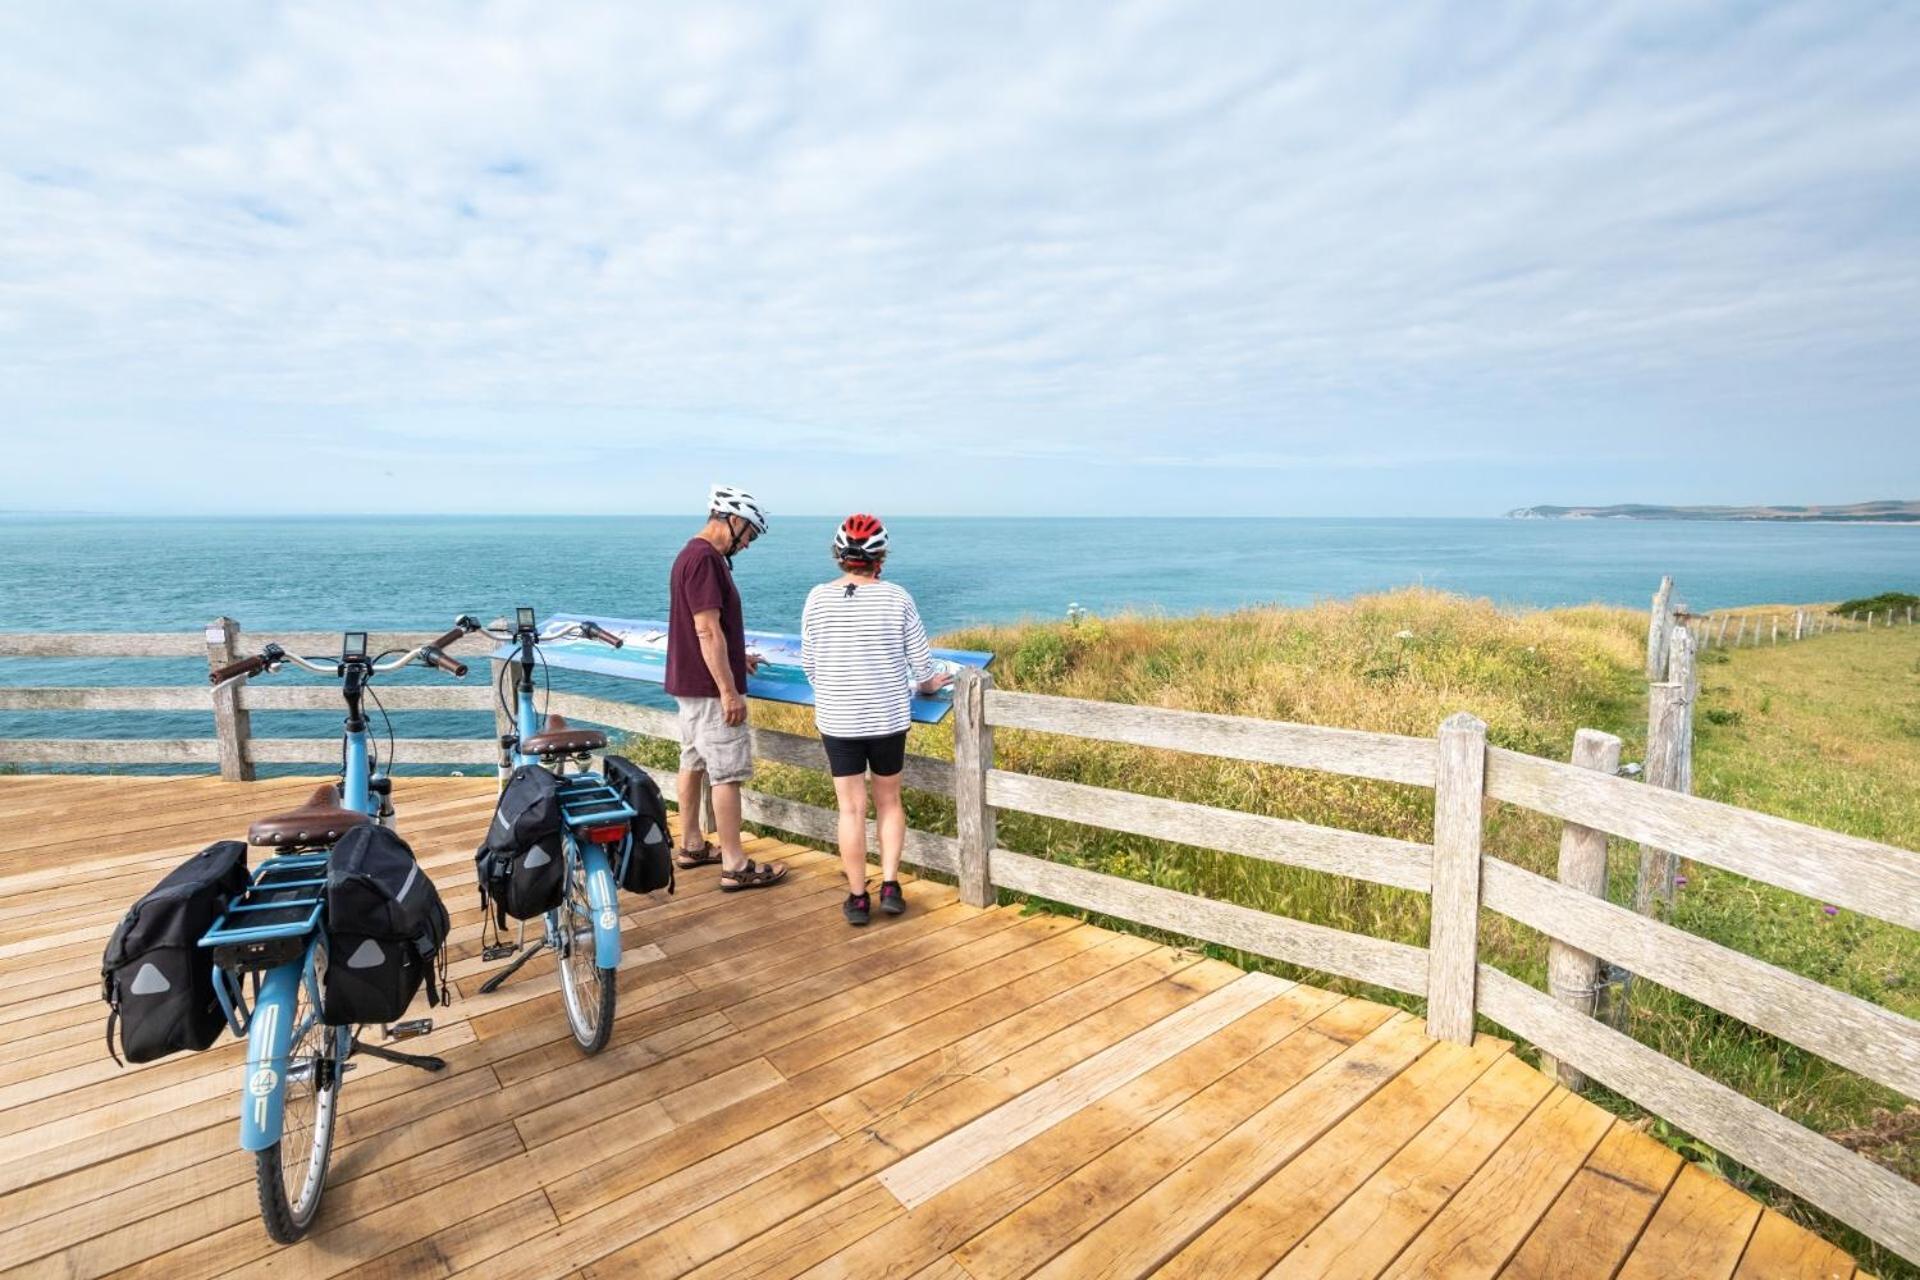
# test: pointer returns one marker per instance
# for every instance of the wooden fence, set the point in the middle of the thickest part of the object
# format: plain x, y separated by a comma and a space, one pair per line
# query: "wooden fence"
1587, 796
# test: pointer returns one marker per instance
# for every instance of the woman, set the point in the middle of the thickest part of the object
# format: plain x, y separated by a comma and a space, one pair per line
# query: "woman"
865, 653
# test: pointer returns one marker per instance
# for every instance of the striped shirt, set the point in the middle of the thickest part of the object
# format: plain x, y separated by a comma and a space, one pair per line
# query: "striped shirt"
864, 648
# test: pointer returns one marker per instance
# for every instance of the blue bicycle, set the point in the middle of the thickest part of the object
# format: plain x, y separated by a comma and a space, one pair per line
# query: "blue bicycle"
273, 940
583, 931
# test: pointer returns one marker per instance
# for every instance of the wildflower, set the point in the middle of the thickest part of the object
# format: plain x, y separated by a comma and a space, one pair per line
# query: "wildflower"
1830, 910
1680, 882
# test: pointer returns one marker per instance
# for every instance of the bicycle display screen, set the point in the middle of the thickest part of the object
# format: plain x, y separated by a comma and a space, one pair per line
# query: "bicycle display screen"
354, 645
523, 616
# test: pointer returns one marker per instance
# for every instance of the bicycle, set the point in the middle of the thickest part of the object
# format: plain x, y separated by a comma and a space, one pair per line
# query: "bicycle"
275, 934
583, 931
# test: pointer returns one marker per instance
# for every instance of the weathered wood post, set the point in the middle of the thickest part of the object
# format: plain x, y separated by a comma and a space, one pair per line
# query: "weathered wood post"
1453, 938
1776, 630
1573, 975
1740, 633
1683, 671
503, 724
1799, 623
1658, 624
1721, 639
232, 725
1668, 721
972, 760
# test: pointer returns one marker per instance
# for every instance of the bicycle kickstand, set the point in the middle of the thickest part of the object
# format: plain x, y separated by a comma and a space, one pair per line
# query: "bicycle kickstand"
526, 954
424, 1062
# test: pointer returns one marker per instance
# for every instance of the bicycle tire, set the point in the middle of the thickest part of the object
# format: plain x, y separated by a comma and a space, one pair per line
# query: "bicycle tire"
289, 1217
589, 1012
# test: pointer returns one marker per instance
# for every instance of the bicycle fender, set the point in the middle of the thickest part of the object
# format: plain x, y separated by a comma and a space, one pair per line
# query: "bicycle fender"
269, 1040
603, 898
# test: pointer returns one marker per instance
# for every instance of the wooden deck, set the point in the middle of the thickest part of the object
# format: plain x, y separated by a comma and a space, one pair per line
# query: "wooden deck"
954, 1094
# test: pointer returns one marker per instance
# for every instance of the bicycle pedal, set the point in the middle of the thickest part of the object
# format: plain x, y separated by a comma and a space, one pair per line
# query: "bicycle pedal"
409, 1030
499, 950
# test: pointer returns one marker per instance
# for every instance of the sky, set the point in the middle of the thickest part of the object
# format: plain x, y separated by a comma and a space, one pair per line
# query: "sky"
1076, 259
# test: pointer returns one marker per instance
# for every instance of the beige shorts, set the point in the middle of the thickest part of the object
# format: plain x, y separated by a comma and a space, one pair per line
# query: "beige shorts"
724, 752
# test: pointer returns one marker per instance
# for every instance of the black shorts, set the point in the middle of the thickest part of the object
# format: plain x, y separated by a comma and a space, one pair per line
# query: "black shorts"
851, 757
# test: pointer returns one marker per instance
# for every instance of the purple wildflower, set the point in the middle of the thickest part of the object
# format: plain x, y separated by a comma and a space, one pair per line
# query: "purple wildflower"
1831, 910
1680, 881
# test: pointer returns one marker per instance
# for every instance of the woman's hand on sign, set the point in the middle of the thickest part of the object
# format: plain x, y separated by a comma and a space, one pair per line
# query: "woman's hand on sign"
935, 682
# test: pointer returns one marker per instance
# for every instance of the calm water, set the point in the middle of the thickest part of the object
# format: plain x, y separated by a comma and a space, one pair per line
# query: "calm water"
95, 574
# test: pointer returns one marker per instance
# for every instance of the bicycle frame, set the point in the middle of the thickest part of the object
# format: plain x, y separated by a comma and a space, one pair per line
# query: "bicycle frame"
602, 893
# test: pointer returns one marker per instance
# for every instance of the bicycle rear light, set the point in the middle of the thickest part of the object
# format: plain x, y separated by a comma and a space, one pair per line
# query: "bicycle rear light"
610, 833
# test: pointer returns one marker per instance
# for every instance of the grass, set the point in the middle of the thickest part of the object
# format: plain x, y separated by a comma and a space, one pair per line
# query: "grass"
1825, 732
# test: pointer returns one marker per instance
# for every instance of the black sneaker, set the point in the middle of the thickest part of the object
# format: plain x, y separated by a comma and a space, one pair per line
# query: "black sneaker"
855, 908
892, 901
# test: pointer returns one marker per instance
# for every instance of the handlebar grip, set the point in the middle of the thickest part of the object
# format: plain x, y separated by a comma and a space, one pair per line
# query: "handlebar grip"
596, 632
452, 666
244, 667
459, 629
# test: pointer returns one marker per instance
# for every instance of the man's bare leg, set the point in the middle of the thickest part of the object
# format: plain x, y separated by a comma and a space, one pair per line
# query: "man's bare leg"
726, 821
692, 838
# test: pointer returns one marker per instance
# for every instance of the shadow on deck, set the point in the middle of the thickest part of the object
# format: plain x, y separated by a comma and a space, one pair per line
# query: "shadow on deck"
955, 1093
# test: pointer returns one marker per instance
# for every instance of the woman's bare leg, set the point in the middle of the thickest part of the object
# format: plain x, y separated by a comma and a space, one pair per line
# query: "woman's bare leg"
852, 795
891, 817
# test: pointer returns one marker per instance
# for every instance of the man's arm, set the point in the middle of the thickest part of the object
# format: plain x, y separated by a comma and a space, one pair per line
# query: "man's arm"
713, 648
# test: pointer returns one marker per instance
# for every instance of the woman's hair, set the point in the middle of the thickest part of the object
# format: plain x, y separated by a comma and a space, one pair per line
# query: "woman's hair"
861, 564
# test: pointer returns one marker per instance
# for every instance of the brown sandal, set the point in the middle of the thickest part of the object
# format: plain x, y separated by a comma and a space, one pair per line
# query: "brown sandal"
755, 875
688, 859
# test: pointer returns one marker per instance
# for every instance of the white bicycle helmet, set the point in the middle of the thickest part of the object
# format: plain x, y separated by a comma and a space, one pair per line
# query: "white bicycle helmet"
725, 500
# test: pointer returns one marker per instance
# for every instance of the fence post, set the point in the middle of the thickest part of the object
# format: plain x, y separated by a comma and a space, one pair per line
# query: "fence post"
1776, 630
1799, 623
503, 715
1573, 975
1668, 722
1453, 941
972, 759
1737, 635
232, 726
1658, 623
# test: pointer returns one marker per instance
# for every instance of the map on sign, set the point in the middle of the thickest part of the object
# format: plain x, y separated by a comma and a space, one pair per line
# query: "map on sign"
643, 656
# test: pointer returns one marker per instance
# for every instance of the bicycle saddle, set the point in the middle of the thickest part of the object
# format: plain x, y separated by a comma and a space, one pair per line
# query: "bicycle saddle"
558, 740
321, 820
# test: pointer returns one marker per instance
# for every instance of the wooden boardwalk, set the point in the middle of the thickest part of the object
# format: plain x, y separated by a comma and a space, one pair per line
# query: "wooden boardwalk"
956, 1094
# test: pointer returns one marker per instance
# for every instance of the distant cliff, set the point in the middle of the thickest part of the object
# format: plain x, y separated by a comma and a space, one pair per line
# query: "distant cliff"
1890, 512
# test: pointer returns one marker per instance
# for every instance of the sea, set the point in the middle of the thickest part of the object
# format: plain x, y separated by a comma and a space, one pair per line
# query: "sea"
95, 573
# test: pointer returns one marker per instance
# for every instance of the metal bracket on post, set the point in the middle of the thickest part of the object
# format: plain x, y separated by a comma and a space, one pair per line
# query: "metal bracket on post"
232, 725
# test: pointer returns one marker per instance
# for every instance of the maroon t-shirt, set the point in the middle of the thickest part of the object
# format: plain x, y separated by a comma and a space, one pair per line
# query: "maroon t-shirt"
701, 581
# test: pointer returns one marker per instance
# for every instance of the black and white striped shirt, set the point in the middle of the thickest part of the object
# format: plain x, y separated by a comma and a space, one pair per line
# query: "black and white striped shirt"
864, 649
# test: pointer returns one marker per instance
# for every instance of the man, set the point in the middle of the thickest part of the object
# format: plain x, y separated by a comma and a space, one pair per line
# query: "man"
707, 667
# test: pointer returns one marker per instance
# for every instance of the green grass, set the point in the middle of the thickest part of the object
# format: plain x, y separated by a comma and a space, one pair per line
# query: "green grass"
1825, 732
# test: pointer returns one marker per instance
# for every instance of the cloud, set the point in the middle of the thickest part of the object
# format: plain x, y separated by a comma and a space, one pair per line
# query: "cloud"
1290, 238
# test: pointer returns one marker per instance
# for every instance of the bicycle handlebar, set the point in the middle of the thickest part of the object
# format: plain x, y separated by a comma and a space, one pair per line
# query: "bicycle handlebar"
431, 655
461, 626
244, 667
593, 631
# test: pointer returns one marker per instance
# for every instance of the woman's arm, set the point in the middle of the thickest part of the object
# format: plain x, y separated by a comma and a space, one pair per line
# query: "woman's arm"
919, 654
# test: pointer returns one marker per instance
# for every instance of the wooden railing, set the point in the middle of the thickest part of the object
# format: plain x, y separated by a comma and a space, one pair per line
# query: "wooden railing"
1464, 773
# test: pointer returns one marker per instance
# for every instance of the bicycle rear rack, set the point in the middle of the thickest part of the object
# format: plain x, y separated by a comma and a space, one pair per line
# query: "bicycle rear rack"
586, 800
270, 923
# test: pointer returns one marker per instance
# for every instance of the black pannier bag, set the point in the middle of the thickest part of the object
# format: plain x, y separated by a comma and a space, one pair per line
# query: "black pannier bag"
649, 861
156, 978
386, 930
521, 865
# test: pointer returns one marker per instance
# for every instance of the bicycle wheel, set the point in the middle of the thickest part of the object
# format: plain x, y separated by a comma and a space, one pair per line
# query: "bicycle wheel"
293, 1171
589, 990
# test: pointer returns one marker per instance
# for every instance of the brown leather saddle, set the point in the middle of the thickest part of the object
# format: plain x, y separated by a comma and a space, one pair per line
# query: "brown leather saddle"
556, 739
321, 820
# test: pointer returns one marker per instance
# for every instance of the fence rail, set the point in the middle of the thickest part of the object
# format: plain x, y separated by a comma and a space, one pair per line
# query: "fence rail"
1457, 764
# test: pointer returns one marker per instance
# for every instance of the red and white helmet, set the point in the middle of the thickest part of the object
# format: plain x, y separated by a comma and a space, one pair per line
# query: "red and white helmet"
861, 538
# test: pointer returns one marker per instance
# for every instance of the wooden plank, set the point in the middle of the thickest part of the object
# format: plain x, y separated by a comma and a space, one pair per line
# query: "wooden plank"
129, 698
327, 643
403, 697
1487, 1218
1385, 757
1256, 1233
1144, 1234
1876, 1201
1374, 1223
1573, 974
972, 762
934, 1168
101, 644
1453, 946
1857, 1034
405, 750
902, 1240
1874, 879
1597, 1219
1389, 964
1699, 1231
109, 751
1783, 1250
1379, 859
1028, 1235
